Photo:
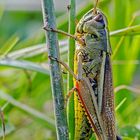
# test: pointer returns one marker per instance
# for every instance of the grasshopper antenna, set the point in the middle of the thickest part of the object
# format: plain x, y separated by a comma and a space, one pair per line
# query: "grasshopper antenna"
95, 7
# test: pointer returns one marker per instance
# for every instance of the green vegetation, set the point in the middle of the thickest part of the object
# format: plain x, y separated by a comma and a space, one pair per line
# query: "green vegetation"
25, 90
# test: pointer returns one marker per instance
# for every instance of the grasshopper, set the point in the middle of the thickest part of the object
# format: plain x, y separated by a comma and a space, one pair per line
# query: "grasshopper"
95, 62
94, 101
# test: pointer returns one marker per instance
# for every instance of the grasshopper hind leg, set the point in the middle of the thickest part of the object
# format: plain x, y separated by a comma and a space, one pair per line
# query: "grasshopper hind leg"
83, 130
87, 130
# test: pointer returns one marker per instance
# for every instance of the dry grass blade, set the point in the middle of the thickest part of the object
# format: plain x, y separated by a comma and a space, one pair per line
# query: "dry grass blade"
121, 87
27, 109
3, 123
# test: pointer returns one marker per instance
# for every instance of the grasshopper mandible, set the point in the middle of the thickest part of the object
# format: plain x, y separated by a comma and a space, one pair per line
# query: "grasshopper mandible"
94, 101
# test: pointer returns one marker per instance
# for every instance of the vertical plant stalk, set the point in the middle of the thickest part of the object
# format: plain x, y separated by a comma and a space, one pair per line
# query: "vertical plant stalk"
56, 77
71, 51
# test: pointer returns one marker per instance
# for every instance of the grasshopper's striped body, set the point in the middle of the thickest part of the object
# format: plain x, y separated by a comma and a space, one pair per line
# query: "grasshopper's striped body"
94, 111
82, 125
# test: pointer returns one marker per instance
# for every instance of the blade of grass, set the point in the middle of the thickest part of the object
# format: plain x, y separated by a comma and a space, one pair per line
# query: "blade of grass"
9, 45
28, 52
49, 122
132, 89
35, 50
22, 64
126, 62
133, 30
120, 104
71, 52
56, 77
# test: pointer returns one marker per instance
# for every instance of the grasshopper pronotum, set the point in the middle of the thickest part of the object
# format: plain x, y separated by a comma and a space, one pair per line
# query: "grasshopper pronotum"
93, 78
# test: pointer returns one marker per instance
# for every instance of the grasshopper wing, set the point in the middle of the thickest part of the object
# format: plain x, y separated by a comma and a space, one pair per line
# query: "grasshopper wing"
88, 101
107, 110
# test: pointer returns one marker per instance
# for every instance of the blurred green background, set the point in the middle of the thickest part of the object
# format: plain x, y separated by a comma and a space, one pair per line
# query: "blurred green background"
25, 92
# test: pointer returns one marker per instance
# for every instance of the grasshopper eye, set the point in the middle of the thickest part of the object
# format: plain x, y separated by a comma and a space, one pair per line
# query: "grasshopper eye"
98, 18
94, 36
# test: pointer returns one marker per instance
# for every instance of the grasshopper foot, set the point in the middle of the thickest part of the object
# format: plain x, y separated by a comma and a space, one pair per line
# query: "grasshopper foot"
45, 27
64, 65
53, 58
69, 95
64, 72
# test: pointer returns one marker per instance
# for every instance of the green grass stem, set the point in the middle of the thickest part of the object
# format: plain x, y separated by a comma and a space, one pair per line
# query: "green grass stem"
71, 51
56, 77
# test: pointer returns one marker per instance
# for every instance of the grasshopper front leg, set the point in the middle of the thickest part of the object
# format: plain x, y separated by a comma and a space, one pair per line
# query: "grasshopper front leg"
64, 33
65, 66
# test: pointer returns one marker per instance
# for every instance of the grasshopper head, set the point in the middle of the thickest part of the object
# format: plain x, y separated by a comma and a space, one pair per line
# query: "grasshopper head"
92, 23
92, 28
